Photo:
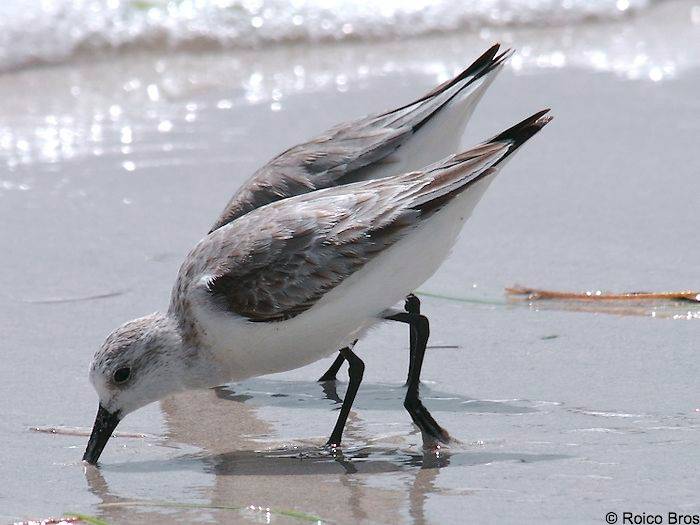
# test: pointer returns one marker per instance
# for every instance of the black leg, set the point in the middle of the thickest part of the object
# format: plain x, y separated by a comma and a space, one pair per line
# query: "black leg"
355, 371
330, 374
332, 371
412, 306
432, 432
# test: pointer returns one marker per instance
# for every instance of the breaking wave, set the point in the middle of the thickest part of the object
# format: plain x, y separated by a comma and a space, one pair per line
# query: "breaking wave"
51, 31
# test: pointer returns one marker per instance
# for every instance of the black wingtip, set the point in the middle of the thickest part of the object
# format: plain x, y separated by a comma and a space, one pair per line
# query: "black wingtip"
488, 60
523, 130
486, 63
483, 65
483, 62
516, 136
502, 57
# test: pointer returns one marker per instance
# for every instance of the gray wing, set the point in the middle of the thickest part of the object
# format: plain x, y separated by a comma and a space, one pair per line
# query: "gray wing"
277, 261
329, 159
285, 259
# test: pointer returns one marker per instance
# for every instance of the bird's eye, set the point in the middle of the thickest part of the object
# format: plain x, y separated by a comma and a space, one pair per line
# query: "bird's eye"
122, 374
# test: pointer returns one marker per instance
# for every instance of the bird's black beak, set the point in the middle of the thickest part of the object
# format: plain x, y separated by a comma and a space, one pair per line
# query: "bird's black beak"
105, 423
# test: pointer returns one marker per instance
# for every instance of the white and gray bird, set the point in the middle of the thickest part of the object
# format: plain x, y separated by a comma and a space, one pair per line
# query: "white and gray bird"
304, 261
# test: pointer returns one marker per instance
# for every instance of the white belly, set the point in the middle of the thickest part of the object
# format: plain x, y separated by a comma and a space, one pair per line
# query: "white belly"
249, 349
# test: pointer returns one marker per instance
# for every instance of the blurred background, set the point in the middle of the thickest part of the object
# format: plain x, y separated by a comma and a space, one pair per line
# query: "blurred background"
114, 60
125, 127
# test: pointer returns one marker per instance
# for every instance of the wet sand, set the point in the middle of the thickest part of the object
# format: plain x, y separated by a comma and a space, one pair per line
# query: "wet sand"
114, 170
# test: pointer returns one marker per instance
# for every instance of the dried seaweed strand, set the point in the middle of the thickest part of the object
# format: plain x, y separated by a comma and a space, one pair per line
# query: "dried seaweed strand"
538, 294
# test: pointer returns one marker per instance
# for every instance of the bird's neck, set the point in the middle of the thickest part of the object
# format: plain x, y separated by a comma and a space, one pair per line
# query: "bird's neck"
190, 366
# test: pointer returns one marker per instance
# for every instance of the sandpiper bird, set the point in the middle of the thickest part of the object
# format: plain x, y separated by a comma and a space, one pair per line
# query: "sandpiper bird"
288, 281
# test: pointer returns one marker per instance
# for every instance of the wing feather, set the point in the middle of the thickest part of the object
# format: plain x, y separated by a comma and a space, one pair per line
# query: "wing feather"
305, 249
277, 261
343, 150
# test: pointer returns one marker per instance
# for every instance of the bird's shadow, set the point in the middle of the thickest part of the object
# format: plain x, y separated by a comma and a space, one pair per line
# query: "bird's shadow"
267, 392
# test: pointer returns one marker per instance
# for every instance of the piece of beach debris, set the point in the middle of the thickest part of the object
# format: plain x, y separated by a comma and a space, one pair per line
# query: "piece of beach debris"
68, 299
535, 294
646, 304
65, 520
84, 431
50, 521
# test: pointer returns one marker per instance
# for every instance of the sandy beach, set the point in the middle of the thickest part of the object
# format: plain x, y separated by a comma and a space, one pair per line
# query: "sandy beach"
111, 169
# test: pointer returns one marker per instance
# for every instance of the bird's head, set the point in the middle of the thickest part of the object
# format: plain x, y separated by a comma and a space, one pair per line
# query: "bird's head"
140, 362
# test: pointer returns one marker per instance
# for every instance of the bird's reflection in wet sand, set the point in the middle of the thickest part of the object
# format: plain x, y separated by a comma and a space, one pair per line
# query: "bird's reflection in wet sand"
296, 477
343, 487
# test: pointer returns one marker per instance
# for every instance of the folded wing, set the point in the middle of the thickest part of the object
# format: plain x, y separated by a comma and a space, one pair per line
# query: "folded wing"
277, 261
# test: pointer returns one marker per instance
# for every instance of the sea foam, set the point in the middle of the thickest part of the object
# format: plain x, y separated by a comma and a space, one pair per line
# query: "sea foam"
50, 31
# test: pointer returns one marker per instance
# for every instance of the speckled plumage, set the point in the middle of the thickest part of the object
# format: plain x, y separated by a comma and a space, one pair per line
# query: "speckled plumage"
277, 261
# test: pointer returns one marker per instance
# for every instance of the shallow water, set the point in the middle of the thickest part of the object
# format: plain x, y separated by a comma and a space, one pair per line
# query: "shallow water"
562, 415
61, 30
